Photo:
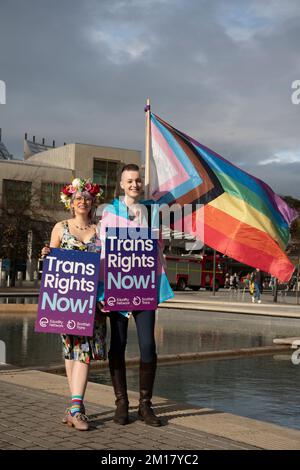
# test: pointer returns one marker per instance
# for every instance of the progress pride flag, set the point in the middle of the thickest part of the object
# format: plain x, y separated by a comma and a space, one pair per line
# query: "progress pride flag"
67, 300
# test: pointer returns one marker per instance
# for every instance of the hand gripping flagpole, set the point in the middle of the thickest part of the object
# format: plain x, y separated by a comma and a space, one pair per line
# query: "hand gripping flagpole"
147, 149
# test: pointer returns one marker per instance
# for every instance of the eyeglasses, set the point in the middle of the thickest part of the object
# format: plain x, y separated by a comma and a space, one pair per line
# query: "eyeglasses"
83, 199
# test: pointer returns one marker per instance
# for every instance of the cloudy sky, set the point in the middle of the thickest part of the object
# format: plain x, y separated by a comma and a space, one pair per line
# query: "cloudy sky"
220, 70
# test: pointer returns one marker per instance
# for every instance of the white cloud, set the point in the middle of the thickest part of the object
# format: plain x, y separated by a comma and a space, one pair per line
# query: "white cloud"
282, 158
242, 22
269, 161
277, 10
120, 5
123, 45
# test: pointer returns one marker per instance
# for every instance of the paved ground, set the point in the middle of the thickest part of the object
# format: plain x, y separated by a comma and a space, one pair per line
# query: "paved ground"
233, 302
33, 404
30, 419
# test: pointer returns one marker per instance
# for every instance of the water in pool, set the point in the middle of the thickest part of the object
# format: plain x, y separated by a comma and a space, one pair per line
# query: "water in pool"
177, 331
264, 388
260, 387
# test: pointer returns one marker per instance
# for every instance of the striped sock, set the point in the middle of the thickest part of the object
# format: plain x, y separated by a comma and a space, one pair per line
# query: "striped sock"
77, 401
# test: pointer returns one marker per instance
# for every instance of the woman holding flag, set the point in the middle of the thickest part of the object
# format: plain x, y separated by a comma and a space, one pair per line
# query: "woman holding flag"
128, 207
79, 233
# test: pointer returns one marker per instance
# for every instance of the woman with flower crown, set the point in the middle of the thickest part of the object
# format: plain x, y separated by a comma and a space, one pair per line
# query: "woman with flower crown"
79, 233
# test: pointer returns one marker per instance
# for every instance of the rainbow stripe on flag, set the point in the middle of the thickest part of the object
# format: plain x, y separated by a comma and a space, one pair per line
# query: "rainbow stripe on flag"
243, 218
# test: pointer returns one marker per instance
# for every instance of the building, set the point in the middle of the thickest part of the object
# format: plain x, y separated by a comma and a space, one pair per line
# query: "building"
34, 183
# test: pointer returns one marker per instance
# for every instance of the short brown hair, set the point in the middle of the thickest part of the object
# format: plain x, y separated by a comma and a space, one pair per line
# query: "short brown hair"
130, 167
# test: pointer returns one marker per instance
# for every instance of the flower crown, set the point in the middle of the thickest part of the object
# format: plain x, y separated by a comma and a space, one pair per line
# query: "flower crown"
80, 185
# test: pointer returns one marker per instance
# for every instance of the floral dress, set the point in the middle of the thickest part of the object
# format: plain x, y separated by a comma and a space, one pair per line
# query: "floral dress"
84, 348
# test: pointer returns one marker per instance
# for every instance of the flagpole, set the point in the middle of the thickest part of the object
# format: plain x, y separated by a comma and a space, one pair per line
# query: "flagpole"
147, 149
297, 281
214, 273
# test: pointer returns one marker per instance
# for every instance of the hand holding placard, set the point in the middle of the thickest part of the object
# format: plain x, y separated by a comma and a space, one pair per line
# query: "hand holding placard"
68, 293
130, 274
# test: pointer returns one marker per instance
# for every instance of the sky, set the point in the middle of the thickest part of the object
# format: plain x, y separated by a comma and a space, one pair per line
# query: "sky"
219, 70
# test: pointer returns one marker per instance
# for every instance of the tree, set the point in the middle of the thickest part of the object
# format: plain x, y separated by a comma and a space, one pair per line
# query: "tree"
294, 244
24, 226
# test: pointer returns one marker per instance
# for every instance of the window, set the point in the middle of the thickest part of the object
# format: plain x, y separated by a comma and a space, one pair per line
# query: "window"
105, 174
16, 194
50, 195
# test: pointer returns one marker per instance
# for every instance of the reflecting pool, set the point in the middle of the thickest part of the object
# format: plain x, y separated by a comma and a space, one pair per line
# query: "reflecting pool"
176, 332
264, 388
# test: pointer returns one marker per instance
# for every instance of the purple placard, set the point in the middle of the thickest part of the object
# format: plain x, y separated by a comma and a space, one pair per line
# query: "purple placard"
130, 270
67, 297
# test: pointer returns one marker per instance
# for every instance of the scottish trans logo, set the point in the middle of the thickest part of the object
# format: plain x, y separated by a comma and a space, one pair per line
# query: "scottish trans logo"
2, 92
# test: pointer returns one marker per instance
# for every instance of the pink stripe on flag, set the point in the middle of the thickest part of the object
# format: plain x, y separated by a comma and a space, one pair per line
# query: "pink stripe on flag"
181, 175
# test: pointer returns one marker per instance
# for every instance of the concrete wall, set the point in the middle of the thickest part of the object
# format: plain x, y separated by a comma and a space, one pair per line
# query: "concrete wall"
61, 157
86, 154
36, 174
80, 157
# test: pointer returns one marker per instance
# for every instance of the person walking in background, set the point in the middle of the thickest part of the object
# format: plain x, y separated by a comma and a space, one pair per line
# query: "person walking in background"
79, 233
247, 280
236, 281
226, 284
258, 282
272, 284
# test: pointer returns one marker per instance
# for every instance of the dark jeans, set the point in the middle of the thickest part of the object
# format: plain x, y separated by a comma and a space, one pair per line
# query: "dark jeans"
257, 291
145, 322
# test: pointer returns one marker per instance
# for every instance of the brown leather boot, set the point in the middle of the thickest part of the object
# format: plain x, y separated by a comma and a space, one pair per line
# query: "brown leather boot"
147, 376
117, 369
